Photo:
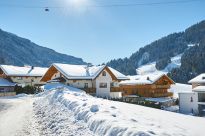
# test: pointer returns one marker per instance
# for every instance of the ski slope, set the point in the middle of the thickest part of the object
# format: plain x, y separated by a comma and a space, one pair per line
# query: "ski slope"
150, 67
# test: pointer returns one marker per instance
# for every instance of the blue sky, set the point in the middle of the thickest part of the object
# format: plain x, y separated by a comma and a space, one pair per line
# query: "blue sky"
96, 34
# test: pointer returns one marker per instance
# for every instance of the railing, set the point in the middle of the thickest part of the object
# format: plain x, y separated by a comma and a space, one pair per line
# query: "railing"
7, 93
89, 90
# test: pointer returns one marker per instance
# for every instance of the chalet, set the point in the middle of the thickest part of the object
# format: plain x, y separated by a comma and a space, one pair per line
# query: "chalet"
93, 79
194, 102
27, 75
6, 87
150, 85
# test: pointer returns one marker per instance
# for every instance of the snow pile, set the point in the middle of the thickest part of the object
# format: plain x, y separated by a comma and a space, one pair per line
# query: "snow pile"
179, 88
151, 67
104, 117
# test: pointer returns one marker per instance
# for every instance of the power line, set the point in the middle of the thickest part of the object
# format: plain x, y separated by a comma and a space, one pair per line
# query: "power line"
107, 5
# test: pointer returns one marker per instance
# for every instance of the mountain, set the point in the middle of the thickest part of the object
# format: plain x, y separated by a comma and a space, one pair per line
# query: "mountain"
19, 51
189, 43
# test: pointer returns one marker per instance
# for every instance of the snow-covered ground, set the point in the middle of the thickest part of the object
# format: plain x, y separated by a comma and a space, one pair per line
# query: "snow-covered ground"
104, 117
70, 111
151, 67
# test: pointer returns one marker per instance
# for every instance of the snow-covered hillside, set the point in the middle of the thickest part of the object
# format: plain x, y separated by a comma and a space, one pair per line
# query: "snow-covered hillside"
150, 68
104, 117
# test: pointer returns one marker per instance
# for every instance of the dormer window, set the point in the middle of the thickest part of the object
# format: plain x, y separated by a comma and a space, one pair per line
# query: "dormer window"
103, 73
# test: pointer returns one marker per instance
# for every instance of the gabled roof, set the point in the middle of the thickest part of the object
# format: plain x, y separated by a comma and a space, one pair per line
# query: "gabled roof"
10, 70
78, 71
144, 79
119, 75
4, 82
83, 71
199, 79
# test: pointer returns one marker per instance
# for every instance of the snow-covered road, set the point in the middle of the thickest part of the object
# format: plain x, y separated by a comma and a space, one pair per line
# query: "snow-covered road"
16, 116
23, 116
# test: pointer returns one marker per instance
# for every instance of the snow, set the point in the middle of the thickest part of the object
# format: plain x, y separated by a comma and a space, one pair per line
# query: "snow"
199, 79
16, 116
151, 67
142, 79
105, 117
119, 75
84, 72
65, 110
10, 70
180, 88
4, 82
199, 89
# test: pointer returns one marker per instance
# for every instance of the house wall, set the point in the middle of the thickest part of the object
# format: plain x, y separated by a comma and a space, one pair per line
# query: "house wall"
187, 106
103, 92
79, 83
27, 80
6, 88
194, 85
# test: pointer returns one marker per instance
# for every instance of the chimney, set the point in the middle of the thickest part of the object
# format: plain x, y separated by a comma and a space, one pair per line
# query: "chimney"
148, 78
87, 70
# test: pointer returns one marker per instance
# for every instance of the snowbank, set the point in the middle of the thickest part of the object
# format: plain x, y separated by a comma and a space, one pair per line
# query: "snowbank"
104, 117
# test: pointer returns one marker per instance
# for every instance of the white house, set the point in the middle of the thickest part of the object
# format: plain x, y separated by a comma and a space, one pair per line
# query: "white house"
27, 75
194, 102
93, 79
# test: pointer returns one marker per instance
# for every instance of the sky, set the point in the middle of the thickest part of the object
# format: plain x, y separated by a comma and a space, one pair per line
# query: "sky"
93, 31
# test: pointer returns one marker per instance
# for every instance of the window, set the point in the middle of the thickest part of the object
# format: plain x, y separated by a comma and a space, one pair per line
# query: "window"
103, 85
103, 73
1, 89
191, 99
19, 78
86, 85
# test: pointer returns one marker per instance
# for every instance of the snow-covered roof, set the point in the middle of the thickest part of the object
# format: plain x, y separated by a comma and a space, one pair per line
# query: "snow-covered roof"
10, 70
4, 82
119, 75
142, 79
199, 89
83, 71
199, 79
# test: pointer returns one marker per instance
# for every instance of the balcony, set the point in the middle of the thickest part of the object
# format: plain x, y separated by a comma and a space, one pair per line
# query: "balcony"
89, 90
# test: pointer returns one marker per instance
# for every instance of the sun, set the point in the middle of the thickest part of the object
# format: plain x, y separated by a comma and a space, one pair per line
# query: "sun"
78, 3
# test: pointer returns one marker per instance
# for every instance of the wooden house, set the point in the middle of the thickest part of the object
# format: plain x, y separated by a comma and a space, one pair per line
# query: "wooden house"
151, 85
27, 75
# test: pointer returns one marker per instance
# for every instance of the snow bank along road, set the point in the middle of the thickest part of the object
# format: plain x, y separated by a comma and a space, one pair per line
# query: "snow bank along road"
104, 117
68, 111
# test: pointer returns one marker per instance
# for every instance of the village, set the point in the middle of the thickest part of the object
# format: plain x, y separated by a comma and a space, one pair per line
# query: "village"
150, 90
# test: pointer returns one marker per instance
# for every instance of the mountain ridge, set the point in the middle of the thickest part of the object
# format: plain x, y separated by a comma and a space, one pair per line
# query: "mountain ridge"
163, 49
20, 51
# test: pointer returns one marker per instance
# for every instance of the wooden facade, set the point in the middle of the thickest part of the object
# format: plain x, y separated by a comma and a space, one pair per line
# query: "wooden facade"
157, 89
